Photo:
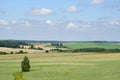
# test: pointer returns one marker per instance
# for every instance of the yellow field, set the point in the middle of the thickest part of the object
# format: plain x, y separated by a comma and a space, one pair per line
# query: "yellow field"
4, 49
43, 46
8, 50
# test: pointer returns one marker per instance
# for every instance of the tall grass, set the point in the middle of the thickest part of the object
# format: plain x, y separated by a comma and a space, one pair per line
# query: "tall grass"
18, 76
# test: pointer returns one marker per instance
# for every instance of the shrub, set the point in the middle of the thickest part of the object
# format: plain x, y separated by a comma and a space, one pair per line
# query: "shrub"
25, 64
18, 76
46, 51
40, 48
21, 51
3, 52
11, 52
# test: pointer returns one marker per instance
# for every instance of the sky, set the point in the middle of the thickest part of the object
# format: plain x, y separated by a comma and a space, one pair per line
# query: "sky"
66, 20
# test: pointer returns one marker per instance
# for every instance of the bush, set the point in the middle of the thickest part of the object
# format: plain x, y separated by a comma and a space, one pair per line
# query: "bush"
40, 48
11, 52
46, 51
18, 76
25, 64
21, 51
3, 52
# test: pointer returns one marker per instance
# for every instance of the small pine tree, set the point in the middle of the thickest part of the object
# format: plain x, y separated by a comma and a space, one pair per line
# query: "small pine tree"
25, 64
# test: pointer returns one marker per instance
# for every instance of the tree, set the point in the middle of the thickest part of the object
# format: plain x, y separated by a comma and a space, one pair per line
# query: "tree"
32, 47
25, 64
46, 51
60, 44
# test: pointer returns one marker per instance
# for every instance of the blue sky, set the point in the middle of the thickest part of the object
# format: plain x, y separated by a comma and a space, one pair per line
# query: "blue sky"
76, 20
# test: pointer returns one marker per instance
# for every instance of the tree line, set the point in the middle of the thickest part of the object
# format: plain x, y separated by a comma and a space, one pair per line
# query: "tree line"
96, 50
11, 43
19, 52
58, 45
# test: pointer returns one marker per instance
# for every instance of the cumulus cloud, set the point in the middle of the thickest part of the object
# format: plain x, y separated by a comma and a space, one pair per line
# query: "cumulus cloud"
48, 22
115, 22
71, 25
72, 9
3, 22
43, 11
53, 22
94, 2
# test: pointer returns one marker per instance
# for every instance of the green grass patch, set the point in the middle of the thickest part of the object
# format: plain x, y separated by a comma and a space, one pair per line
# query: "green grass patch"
92, 45
64, 70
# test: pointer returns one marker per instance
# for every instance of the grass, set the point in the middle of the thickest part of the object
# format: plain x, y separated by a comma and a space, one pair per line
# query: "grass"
83, 70
93, 45
63, 66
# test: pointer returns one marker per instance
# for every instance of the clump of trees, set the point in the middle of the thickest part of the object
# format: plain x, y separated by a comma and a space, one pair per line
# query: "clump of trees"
11, 43
19, 52
39, 48
99, 50
3, 53
36, 48
58, 45
96, 50
60, 50
25, 64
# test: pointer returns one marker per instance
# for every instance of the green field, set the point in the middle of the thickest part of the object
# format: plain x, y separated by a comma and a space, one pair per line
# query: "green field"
93, 45
64, 66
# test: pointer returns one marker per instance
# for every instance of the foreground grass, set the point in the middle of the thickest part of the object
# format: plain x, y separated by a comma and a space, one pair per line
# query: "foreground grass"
62, 69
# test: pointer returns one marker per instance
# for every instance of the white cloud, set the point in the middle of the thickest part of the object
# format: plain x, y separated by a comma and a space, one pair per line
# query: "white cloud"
72, 9
115, 22
3, 22
71, 25
48, 22
42, 11
94, 2
55, 22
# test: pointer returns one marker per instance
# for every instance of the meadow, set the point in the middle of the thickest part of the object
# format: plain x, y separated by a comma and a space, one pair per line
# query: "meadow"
92, 45
63, 66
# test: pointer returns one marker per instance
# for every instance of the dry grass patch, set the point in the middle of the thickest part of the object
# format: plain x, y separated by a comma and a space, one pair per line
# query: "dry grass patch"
38, 57
4, 49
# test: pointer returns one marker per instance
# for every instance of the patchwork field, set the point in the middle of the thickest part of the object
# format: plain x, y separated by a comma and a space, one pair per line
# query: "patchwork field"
63, 66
